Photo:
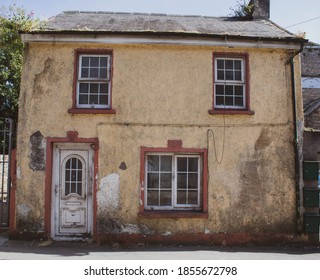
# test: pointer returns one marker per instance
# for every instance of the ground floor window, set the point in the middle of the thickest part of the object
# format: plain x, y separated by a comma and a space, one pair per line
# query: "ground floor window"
174, 180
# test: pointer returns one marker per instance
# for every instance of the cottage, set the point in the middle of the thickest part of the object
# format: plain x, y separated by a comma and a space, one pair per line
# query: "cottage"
152, 127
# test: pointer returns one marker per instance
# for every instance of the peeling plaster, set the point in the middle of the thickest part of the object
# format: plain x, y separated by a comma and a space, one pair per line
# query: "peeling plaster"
37, 146
23, 210
108, 196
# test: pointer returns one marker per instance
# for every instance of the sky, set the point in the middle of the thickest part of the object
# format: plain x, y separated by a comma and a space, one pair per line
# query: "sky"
295, 15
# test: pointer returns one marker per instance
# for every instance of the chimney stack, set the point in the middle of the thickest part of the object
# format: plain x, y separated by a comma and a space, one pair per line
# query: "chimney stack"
261, 9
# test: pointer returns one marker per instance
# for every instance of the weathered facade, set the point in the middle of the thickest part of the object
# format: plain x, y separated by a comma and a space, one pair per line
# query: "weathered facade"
139, 128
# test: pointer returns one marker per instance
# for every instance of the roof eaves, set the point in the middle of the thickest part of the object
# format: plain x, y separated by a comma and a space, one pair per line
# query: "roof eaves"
169, 34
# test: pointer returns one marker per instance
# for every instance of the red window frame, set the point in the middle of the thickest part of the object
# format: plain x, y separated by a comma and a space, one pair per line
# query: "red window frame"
203, 213
232, 111
74, 109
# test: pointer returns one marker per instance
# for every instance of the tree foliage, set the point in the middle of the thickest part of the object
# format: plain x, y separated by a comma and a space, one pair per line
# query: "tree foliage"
243, 9
12, 20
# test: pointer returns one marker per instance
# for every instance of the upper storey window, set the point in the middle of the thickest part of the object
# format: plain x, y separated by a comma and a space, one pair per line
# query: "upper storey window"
92, 86
231, 84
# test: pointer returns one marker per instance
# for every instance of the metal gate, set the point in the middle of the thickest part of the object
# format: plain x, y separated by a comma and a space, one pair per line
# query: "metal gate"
6, 128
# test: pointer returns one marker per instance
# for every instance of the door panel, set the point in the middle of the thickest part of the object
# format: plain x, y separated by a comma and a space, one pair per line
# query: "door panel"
72, 190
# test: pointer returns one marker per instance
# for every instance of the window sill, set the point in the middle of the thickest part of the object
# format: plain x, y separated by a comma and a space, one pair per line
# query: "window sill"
173, 214
74, 111
230, 112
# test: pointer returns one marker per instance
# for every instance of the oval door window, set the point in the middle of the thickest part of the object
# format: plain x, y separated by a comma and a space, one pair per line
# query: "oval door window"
74, 176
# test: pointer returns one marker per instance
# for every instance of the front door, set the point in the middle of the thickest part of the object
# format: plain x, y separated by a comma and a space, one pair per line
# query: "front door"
72, 191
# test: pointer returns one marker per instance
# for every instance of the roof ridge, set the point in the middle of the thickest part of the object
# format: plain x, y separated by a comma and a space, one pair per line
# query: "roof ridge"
139, 13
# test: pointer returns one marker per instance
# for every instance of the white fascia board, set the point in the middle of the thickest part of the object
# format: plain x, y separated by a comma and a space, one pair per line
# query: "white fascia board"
156, 40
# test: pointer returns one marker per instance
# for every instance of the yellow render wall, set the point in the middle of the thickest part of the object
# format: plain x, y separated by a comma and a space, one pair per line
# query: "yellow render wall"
164, 93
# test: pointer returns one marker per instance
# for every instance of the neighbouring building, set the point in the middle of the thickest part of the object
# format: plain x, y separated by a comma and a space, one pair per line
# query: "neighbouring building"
310, 70
160, 128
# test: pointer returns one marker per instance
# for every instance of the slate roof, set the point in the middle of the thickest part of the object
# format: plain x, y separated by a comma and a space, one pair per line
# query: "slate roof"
311, 106
156, 24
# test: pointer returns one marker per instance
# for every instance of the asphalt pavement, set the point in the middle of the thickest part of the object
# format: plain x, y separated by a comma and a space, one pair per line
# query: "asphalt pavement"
50, 250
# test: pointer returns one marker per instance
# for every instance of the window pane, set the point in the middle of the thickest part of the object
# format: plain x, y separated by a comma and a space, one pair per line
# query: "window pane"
165, 198
229, 75
239, 101
73, 187
182, 164
182, 181
94, 72
219, 100
79, 188
153, 163
229, 101
229, 90
104, 88
67, 188
238, 90
103, 100
153, 181
238, 75
193, 165
221, 75
84, 72
68, 174
220, 89
103, 61
166, 163
182, 197
83, 88
85, 61
220, 64
68, 164
103, 73
237, 64
152, 198
193, 181
94, 62
94, 88
165, 180
229, 64
74, 175
94, 99
192, 197
83, 99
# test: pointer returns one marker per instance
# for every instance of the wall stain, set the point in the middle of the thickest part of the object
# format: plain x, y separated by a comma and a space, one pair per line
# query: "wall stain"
263, 141
257, 206
41, 79
37, 160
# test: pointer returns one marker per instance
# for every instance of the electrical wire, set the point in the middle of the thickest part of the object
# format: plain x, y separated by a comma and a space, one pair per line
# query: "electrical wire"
302, 22
210, 131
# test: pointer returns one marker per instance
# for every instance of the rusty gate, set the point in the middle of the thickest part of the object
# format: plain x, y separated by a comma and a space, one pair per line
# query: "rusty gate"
6, 130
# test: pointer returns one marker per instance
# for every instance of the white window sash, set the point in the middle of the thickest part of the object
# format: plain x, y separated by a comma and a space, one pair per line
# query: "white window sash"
242, 81
174, 205
93, 81
230, 83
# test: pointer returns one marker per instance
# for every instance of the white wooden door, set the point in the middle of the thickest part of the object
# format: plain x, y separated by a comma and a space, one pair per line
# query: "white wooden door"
72, 190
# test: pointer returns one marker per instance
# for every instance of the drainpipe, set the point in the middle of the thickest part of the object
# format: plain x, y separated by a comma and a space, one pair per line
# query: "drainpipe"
296, 136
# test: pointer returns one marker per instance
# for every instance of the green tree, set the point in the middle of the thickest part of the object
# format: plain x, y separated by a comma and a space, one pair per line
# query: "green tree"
12, 20
243, 9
